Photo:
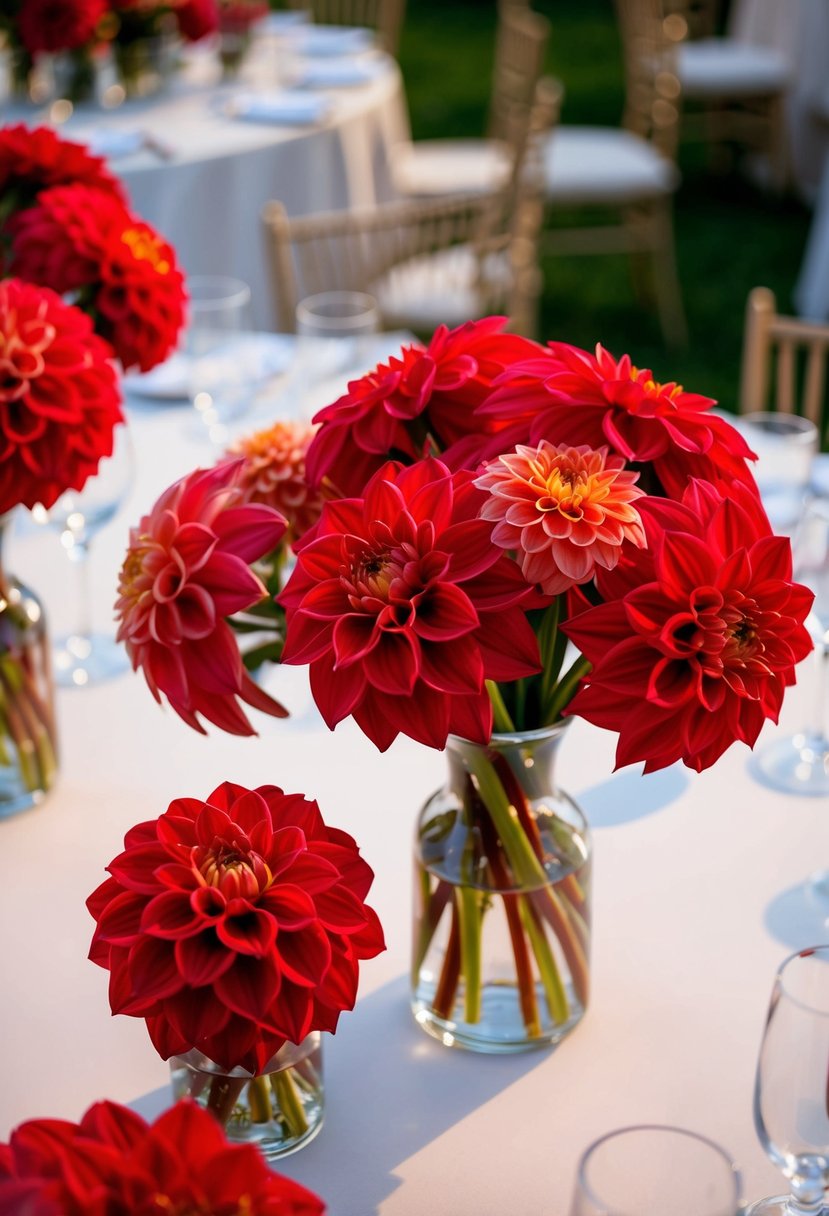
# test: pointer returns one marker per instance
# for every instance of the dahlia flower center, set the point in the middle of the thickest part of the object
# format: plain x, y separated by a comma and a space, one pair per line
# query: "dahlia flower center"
237, 874
146, 247
566, 486
132, 570
653, 388
372, 575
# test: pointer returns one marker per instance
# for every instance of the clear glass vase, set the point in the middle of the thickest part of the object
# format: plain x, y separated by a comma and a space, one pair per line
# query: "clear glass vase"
502, 899
279, 1110
28, 739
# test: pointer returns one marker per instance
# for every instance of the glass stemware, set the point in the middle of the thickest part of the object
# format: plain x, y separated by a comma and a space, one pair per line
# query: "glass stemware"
799, 763
334, 332
791, 1103
785, 446
218, 316
84, 656
650, 1169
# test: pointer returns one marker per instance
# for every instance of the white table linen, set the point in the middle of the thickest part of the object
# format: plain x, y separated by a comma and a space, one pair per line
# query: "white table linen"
695, 905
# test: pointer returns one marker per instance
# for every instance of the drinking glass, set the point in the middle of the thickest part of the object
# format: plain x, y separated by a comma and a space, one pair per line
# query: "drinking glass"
785, 445
651, 1170
85, 656
218, 315
790, 1092
334, 330
799, 764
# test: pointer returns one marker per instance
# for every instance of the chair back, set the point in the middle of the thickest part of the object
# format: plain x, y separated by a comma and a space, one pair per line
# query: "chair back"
652, 88
384, 16
784, 362
703, 18
520, 46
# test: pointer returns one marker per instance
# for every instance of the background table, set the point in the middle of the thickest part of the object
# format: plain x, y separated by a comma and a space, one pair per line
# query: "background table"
206, 198
697, 900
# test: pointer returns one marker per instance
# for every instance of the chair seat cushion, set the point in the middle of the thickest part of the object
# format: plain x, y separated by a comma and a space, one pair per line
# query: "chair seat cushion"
442, 288
584, 165
430, 168
724, 67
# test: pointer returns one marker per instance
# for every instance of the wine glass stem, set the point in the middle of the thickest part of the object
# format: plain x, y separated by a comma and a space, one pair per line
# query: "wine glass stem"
822, 708
78, 553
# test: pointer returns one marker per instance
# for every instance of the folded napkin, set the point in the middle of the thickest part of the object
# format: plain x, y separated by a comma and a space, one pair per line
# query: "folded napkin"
337, 73
320, 41
286, 108
111, 142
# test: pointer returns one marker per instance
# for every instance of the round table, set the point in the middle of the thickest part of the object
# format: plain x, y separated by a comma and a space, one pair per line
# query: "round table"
201, 175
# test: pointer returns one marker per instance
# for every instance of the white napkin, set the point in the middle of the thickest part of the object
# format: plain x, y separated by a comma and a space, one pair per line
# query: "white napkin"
337, 73
286, 108
320, 41
111, 142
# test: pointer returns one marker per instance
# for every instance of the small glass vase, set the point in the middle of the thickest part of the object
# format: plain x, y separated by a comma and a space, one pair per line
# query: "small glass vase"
28, 740
279, 1110
502, 899
144, 66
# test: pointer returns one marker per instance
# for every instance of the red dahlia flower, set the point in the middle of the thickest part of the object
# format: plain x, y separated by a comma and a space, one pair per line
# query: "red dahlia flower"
58, 25
197, 18
570, 396
392, 410
59, 399
76, 238
235, 925
403, 607
564, 510
113, 1162
700, 634
187, 568
274, 473
34, 160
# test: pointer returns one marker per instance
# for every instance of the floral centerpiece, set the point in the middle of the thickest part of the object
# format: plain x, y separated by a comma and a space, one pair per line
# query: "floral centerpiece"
113, 1161
66, 234
514, 535
235, 927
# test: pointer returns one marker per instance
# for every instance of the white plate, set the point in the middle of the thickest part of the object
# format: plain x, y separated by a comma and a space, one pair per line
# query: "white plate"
284, 108
264, 355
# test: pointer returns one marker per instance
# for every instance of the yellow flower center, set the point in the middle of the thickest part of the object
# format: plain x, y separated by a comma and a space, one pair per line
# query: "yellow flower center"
652, 387
236, 875
145, 247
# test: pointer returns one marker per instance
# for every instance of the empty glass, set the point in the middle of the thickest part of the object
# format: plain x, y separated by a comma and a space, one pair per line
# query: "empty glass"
334, 331
85, 656
651, 1170
218, 315
799, 763
790, 1093
785, 445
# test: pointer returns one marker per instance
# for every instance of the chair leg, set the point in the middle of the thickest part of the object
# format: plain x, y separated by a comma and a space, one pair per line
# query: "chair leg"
666, 279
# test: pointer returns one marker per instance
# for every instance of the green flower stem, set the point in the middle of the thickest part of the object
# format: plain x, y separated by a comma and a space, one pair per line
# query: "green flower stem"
500, 715
547, 969
289, 1103
549, 905
259, 1100
551, 710
471, 922
548, 635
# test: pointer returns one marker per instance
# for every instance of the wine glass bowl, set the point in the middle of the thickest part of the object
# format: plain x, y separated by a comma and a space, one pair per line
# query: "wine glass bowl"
84, 656
791, 1094
218, 316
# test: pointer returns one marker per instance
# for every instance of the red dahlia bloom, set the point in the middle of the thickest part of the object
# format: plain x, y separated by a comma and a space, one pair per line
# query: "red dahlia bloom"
59, 399
571, 396
77, 238
187, 568
700, 634
403, 607
197, 18
235, 925
58, 25
115, 1162
34, 160
392, 410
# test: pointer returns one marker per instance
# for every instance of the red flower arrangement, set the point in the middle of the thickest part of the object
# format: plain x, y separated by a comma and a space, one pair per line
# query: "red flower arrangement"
115, 1162
187, 568
32, 160
59, 25
77, 238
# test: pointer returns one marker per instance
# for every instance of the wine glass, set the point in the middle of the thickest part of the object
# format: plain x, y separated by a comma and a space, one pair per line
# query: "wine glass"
791, 1106
218, 316
84, 656
650, 1169
334, 329
785, 446
799, 763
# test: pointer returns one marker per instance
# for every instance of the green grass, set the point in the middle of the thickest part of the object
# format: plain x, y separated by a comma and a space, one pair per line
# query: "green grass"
730, 236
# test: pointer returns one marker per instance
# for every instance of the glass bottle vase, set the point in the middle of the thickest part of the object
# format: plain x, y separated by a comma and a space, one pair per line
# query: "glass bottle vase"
28, 740
502, 899
279, 1110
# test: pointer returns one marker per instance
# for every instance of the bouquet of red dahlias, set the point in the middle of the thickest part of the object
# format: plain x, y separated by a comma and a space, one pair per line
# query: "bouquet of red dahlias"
513, 535
114, 1162
235, 927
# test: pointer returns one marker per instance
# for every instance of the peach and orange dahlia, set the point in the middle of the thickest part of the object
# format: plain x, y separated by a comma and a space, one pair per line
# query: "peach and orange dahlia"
273, 473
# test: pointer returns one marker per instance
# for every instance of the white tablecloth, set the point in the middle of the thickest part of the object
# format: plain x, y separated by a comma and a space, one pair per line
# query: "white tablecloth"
207, 197
697, 900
